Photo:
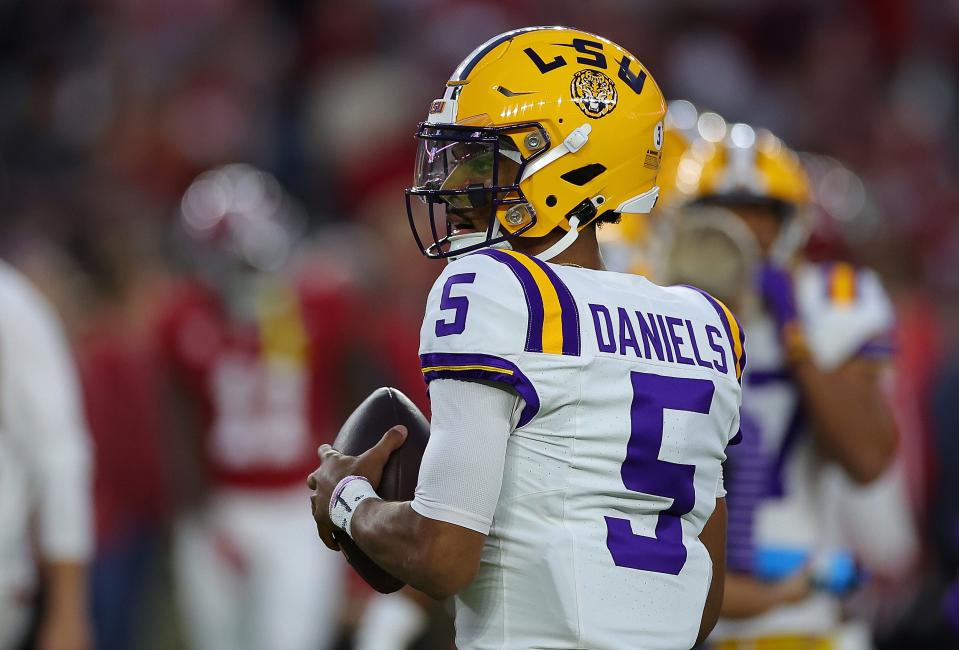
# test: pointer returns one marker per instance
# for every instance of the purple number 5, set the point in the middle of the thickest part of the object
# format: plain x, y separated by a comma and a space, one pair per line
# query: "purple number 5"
643, 471
458, 303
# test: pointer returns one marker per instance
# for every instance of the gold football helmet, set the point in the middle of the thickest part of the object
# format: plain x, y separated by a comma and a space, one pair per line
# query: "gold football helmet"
736, 165
752, 166
545, 127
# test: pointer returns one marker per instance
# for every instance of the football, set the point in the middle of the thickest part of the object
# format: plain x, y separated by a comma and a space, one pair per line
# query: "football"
384, 408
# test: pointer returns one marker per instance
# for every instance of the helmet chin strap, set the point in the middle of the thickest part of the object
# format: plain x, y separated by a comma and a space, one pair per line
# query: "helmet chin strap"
565, 241
459, 242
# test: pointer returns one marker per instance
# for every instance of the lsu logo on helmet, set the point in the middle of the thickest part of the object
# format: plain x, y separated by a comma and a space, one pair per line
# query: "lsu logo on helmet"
593, 92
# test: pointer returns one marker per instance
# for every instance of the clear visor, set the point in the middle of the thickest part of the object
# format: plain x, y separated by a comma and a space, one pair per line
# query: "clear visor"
464, 175
462, 168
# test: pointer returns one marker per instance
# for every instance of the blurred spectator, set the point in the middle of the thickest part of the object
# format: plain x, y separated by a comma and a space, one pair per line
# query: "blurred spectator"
45, 501
119, 377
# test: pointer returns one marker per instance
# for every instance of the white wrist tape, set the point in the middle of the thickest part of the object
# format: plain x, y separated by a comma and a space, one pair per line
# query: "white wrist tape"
349, 493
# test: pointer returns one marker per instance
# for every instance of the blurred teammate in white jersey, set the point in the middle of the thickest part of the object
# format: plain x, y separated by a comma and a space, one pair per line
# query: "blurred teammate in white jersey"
45, 484
571, 494
819, 336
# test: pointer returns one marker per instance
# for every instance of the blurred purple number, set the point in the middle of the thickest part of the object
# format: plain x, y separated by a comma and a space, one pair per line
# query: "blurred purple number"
458, 303
643, 471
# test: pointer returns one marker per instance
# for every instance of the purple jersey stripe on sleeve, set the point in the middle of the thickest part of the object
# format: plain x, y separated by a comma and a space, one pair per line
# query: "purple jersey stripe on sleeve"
482, 367
877, 349
534, 301
765, 377
571, 342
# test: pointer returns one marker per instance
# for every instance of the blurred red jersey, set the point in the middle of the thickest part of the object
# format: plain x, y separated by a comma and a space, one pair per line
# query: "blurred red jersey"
122, 407
265, 393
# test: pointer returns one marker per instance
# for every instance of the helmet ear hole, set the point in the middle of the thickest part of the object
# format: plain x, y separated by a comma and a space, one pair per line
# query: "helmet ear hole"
550, 201
584, 174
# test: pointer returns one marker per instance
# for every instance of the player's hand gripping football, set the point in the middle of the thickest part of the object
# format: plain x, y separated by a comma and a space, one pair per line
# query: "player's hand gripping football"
335, 466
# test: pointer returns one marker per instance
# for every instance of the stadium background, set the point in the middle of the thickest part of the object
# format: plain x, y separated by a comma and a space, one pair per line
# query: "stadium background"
111, 108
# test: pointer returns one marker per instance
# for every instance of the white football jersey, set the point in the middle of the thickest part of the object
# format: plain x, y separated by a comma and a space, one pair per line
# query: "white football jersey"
630, 394
844, 313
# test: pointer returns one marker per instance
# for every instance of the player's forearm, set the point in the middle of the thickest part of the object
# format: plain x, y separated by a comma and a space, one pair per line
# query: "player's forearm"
851, 424
412, 548
745, 596
66, 588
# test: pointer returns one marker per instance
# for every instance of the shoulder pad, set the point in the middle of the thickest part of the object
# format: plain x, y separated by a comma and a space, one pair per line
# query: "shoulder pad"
485, 311
843, 310
475, 306
505, 301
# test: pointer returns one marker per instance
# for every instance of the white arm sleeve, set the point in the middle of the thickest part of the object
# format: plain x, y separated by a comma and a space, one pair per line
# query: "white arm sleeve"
41, 412
462, 469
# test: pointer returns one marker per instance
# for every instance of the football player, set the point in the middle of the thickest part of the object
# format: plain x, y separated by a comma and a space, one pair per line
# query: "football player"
247, 348
571, 492
819, 334
711, 248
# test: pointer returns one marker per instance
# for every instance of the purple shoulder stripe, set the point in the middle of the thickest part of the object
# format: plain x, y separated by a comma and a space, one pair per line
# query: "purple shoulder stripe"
482, 367
571, 341
569, 314
534, 301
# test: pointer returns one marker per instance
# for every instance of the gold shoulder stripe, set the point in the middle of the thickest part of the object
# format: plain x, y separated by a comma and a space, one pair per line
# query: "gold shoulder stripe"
736, 336
552, 310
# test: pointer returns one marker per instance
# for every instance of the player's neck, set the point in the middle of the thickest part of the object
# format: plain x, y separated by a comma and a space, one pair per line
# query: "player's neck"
583, 252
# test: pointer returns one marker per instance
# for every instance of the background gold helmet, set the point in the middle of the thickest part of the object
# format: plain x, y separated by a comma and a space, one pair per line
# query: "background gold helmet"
737, 165
744, 166
545, 127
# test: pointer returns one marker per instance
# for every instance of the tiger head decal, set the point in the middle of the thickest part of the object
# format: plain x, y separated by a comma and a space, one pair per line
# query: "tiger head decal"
593, 92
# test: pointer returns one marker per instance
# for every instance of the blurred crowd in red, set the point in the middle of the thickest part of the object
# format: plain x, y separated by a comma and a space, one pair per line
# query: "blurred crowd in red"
111, 109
